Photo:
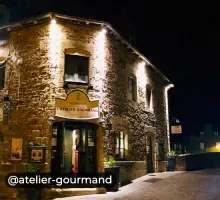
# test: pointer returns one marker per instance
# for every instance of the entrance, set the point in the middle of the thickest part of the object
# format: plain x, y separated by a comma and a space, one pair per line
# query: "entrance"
149, 155
73, 148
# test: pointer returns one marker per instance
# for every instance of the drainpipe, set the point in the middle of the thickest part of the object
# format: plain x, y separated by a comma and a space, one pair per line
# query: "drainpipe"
167, 114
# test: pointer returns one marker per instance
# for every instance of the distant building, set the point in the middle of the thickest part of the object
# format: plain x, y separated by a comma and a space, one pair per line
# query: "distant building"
202, 138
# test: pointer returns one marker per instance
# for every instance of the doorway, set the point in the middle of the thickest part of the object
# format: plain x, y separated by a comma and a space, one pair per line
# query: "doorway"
150, 168
75, 148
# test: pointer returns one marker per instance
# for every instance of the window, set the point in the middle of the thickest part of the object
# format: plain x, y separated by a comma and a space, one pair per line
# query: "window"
76, 69
159, 149
178, 147
131, 89
2, 73
120, 145
201, 134
215, 133
217, 145
202, 145
148, 95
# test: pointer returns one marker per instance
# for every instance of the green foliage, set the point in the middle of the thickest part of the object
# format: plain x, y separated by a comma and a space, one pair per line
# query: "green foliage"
31, 168
109, 161
171, 154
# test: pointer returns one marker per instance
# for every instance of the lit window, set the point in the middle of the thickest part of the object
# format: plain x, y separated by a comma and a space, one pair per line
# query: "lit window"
215, 133
76, 69
2, 74
131, 89
120, 145
201, 134
218, 145
148, 95
202, 145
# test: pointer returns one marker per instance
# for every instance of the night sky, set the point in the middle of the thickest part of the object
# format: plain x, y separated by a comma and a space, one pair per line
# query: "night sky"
182, 39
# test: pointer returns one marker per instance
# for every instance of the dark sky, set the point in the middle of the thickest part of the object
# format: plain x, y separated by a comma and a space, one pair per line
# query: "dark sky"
182, 38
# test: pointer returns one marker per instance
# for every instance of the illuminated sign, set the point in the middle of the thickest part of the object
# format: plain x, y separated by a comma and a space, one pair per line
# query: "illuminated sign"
77, 106
176, 129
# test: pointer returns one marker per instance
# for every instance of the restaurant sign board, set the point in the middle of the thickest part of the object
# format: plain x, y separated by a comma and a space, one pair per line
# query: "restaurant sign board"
176, 129
78, 106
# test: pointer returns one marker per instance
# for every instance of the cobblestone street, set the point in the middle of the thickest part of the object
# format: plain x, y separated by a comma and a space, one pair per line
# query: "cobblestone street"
195, 185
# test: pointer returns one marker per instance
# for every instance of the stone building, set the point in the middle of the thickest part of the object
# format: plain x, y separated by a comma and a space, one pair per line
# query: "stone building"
77, 87
202, 138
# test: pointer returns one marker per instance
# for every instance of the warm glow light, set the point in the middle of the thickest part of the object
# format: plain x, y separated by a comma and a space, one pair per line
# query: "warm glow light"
167, 113
54, 49
53, 21
141, 74
217, 145
104, 30
100, 60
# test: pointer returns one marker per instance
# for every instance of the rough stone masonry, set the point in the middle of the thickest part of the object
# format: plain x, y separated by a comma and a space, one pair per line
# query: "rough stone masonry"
34, 77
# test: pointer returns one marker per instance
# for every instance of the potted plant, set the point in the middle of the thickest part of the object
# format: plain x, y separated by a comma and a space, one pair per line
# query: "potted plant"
171, 160
35, 192
113, 170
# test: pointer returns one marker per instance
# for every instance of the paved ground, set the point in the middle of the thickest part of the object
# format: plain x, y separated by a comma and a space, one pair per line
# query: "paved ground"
197, 185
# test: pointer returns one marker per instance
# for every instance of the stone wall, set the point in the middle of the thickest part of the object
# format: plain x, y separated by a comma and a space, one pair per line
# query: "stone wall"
35, 70
130, 170
7, 193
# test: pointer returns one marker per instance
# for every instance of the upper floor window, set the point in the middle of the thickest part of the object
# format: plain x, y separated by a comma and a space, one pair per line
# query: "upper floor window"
202, 145
76, 68
215, 133
2, 73
201, 134
131, 89
120, 145
148, 95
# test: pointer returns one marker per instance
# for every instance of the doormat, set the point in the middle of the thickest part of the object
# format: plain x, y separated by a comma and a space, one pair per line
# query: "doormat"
153, 180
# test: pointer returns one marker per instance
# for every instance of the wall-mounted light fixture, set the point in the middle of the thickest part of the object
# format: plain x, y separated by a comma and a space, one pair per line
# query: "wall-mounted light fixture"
104, 30
53, 21
101, 121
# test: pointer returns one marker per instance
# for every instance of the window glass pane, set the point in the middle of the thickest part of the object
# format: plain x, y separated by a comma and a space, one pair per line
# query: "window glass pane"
126, 142
122, 153
2, 76
117, 142
131, 91
76, 68
148, 96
